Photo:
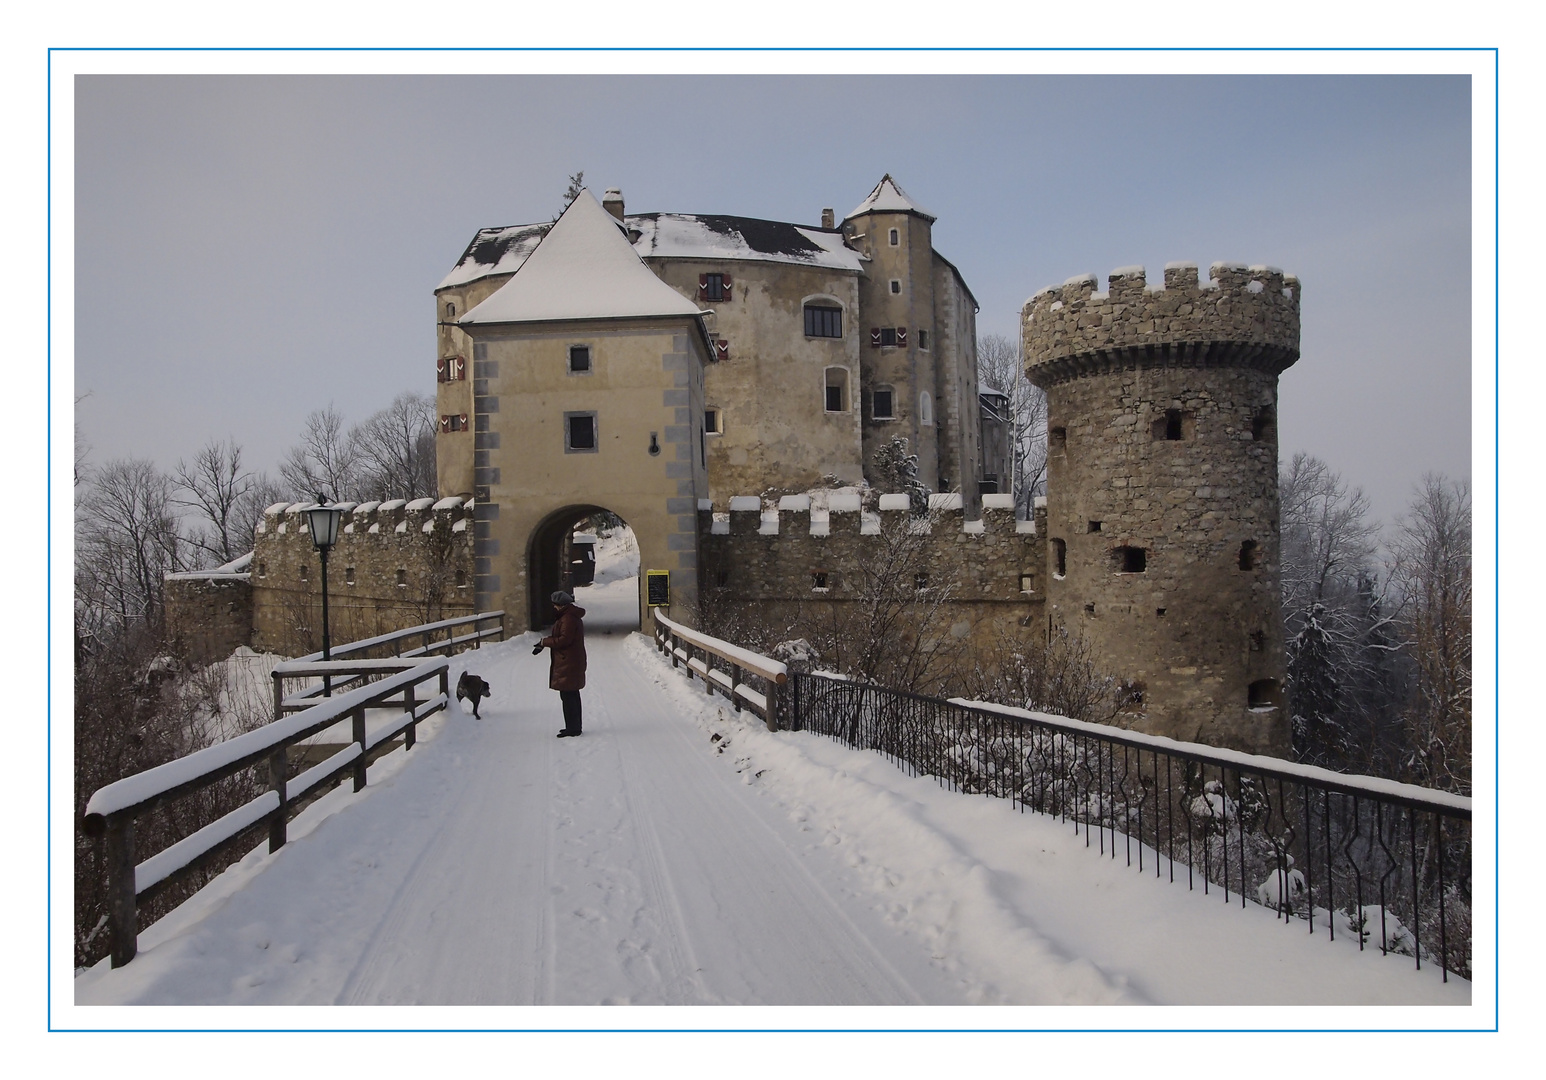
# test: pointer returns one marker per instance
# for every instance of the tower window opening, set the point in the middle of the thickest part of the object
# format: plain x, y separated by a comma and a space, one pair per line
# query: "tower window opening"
920, 581
402, 577
1057, 440
896, 286
837, 389
461, 579
1060, 558
1159, 613
1129, 560
450, 311
1130, 694
1089, 609
1264, 424
881, 404
579, 359
1258, 641
305, 572
1027, 583
896, 237
1093, 527
1248, 555
1262, 695
819, 580
348, 575
1174, 426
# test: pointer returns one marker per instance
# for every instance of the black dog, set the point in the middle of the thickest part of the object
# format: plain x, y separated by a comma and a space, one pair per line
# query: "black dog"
470, 686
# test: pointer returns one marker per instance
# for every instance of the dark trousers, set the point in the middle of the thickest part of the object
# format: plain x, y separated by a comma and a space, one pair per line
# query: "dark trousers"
571, 700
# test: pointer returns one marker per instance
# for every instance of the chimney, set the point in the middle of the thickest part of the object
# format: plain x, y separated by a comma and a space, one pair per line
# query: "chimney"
826, 217
612, 203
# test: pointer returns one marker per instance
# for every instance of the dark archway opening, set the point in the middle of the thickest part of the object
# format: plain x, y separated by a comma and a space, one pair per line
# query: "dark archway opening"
590, 552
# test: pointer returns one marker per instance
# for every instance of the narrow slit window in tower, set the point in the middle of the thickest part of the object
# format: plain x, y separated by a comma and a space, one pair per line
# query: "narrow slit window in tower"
1258, 641
1264, 424
1060, 558
402, 577
348, 575
1174, 426
1248, 555
1057, 440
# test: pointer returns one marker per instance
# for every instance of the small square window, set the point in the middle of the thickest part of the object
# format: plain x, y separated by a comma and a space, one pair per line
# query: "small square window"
579, 359
580, 432
450, 311
711, 421
888, 337
819, 580
881, 407
1027, 583
896, 286
402, 577
1094, 526
714, 287
453, 422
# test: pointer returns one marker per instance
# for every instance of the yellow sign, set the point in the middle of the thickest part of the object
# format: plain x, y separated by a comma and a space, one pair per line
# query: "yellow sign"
658, 587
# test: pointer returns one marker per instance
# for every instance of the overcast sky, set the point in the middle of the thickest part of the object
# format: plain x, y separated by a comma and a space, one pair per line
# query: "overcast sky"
250, 248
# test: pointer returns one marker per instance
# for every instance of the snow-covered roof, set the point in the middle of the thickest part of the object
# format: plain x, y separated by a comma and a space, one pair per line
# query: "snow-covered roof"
888, 198
496, 251
669, 236
584, 268
717, 236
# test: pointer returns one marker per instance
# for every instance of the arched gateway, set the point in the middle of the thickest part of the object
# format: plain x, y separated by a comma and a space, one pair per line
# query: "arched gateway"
588, 391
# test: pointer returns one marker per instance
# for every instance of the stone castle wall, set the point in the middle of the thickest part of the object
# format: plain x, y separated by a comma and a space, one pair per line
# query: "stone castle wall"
208, 616
772, 558
396, 564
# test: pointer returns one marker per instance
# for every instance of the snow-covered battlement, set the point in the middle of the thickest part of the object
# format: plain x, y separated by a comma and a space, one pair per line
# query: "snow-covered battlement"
1243, 314
849, 511
390, 516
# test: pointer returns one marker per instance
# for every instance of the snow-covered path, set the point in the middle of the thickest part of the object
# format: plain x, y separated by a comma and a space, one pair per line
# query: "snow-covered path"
681, 854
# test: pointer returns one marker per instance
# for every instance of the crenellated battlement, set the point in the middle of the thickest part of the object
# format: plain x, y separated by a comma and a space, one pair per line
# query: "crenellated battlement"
390, 517
1244, 315
849, 514
799, 549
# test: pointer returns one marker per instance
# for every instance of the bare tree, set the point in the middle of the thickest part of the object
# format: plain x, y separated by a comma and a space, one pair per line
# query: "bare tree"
262, 493
325, 460
395, 449
1431, 565
1000, 364
572, 192
214, 485
127, 540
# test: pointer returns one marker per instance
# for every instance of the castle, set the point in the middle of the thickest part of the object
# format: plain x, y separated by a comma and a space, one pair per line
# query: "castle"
722, 384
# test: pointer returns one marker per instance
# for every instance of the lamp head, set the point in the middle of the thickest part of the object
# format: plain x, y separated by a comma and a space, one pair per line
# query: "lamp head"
323, 521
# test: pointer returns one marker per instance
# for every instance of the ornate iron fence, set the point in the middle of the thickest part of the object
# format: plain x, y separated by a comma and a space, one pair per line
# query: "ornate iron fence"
1385, 863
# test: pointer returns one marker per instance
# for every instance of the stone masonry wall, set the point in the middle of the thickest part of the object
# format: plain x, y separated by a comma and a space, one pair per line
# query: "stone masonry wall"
208, 615
785, 554
396, 564
1162, 514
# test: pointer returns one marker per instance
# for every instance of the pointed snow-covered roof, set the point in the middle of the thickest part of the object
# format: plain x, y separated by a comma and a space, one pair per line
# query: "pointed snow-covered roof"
888, 198
584, 268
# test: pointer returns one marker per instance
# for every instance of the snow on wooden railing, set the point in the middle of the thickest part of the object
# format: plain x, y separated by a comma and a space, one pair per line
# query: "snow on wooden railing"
679, 642
112, 810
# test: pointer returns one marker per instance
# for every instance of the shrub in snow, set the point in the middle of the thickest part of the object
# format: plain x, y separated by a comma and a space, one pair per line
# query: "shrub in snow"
1284, 890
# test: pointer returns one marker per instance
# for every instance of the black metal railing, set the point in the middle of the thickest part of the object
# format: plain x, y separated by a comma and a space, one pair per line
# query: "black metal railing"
1385, 863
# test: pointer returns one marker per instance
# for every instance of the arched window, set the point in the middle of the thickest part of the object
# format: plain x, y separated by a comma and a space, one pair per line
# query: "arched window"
896, 237
823, 320
925, 409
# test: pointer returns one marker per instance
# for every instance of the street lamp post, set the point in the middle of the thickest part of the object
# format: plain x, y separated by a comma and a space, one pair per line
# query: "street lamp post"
323, 521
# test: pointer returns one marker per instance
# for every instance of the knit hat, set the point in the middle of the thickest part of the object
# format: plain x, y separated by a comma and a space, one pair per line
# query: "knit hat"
561, 598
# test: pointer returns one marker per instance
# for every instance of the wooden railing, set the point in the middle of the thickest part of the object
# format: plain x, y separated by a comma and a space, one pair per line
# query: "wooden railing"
112, 810
699, 653
340, 675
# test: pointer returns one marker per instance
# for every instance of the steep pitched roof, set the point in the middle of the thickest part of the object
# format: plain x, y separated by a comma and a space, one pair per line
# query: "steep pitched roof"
584, 268
496, 251
720, 236
888, 198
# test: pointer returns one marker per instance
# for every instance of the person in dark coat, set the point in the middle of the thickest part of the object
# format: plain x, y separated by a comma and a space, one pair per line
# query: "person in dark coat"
566, 669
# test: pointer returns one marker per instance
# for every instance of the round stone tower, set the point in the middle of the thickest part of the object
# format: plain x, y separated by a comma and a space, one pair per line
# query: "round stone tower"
1162, 481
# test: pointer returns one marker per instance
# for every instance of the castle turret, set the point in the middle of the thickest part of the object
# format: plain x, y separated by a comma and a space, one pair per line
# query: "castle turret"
1162, 512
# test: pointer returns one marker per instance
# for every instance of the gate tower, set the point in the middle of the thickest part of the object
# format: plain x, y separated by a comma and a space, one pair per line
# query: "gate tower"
1162, 480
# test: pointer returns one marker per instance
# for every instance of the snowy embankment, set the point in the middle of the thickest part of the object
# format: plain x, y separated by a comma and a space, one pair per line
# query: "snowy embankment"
681, 854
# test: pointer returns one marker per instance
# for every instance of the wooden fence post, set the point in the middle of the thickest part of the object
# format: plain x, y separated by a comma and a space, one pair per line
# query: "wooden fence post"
359, 737
408, 704
122, 909
771, 717
276, 781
